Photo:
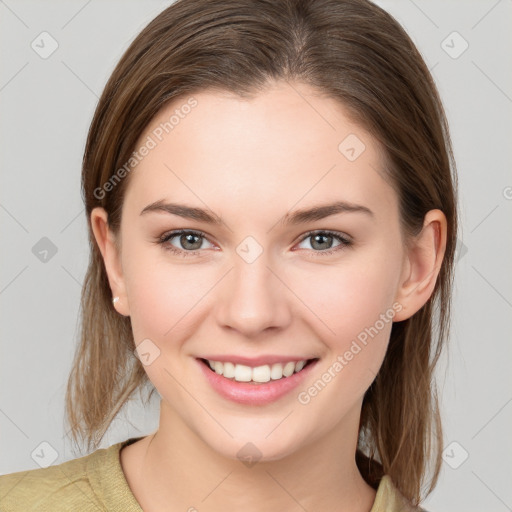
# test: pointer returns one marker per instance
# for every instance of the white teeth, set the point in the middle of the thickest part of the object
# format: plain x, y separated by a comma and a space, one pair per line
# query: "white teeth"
242, 373
218, 367
277, 371
229, 370
288, 369
299, 366
261, 373
264, 373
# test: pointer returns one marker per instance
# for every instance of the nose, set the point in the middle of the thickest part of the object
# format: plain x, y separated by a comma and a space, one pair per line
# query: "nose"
253, 299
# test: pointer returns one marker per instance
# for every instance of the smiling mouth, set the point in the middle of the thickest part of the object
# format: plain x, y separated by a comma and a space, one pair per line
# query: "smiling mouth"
259, 374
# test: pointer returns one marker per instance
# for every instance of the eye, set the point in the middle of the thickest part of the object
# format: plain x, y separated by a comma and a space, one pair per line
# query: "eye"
322, 240
190, 242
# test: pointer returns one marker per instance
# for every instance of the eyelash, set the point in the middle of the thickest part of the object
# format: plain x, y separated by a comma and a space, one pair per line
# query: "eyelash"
344, 241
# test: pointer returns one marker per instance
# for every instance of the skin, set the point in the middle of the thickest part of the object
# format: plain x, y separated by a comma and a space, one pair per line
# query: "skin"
251, 162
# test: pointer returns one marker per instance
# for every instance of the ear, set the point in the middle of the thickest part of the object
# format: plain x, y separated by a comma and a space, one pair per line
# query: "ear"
422, 263
111, 257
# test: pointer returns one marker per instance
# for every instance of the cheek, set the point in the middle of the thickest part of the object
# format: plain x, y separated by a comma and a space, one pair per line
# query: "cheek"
353, 314
347, 298
164, 296
166, 308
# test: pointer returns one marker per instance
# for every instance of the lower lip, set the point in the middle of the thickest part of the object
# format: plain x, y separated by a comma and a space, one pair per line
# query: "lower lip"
254, 394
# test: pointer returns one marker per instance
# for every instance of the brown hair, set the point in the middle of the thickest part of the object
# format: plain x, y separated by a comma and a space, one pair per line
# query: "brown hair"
349, 50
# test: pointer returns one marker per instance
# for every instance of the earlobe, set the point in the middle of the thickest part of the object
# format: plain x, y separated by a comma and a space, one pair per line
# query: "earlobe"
422, 264
111, 257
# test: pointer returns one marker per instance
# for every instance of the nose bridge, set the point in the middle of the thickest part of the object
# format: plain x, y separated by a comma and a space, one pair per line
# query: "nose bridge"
253, 299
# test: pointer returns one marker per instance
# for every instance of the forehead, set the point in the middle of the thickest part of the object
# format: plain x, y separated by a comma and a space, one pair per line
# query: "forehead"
283, 147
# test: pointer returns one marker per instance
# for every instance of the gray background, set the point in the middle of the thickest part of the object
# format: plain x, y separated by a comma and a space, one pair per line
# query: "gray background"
47, 105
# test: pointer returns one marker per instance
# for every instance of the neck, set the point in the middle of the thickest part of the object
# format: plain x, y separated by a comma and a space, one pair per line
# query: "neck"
174, 469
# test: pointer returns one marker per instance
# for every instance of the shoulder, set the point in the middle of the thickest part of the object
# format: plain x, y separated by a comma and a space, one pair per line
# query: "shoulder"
87, 484
59, 487
389, 499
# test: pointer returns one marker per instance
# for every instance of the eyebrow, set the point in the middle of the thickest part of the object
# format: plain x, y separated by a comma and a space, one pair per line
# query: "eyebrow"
303, 216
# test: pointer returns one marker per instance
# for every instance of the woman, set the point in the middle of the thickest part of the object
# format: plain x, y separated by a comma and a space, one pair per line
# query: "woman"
270, 194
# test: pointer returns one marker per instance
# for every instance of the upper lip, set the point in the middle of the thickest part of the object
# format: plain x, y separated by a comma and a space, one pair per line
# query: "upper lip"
255, 361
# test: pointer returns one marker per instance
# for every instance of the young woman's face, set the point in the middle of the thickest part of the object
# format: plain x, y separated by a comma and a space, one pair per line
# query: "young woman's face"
258, 287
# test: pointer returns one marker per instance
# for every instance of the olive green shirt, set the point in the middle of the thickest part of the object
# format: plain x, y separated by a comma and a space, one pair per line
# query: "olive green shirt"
96, 482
